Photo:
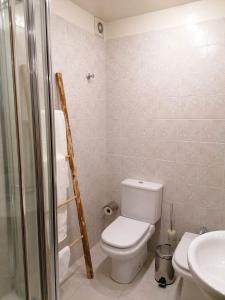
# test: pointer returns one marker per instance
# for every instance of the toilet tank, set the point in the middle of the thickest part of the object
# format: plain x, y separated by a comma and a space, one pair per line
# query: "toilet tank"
141, 200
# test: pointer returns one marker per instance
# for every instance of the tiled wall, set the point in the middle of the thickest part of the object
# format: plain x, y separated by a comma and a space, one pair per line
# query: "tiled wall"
158, 113
75, 53
166, 119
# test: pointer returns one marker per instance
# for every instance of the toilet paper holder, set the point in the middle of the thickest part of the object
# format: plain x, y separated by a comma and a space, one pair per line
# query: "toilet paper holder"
110, 208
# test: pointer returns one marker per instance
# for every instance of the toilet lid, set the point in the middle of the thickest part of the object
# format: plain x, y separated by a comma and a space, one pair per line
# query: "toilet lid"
124, 232
181, 253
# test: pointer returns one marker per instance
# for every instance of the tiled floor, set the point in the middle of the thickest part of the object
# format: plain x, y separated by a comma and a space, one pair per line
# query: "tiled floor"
77, 287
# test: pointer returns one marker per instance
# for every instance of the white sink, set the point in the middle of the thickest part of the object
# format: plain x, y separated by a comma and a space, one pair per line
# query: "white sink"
206, 259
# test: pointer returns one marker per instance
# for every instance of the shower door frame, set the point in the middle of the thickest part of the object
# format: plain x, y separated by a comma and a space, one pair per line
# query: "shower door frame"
11, 232
48, 259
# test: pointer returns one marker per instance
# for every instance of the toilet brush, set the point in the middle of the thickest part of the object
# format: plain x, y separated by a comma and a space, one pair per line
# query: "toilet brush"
172, 235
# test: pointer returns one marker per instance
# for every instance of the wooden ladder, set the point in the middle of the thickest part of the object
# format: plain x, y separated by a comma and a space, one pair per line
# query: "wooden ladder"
75, 183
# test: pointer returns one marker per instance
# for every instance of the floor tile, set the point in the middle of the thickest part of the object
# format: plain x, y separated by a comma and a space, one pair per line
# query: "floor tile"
70, 285
103, 287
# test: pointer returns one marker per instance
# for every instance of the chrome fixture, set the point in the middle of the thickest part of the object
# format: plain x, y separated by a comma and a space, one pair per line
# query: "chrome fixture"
203, 230
90, 76
28, 185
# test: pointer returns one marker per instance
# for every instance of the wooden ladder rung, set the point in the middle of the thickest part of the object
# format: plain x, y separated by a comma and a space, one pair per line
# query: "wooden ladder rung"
75, 241
73, 169
64, 203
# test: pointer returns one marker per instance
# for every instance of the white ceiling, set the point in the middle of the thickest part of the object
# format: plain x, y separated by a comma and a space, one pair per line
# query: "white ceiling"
109, 10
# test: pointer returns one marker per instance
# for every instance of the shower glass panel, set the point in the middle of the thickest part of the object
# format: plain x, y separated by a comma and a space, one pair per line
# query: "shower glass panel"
27, 205
12, 277
27, 145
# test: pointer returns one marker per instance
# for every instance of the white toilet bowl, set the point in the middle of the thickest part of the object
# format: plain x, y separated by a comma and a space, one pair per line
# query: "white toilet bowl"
189, 290
125, 242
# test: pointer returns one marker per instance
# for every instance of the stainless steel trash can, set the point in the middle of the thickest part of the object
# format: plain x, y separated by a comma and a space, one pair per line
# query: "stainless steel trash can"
164, 272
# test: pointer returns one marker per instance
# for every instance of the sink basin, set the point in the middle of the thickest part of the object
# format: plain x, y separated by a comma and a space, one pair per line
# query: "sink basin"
206, 259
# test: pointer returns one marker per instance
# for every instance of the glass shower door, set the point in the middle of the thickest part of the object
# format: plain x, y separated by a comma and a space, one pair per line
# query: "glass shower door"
12, 276
27, 204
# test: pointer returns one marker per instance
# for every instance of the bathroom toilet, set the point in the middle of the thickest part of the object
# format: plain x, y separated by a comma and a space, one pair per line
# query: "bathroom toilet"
189, 290
125, 239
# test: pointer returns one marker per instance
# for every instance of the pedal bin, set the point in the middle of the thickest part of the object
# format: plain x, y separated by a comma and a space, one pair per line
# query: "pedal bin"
164, 272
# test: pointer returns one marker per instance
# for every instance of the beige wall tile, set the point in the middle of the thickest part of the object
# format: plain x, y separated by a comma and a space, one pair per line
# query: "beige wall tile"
155, 111
165, 171
214, 107
186, 173
211, 153
212, 175
166, 129
87, 110
182, 139
216, 32
188, 152
212, 131
188, 130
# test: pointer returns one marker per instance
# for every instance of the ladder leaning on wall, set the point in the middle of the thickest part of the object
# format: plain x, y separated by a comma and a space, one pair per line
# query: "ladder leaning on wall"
75, 182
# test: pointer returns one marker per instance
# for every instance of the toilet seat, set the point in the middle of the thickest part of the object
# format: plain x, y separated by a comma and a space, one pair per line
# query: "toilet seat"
127, 262
180, 261
127, 253
124, 232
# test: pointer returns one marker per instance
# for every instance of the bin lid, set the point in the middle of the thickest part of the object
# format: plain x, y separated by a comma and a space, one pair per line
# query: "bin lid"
164, 251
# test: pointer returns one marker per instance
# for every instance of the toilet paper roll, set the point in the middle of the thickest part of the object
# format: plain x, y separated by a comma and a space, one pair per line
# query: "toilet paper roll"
108, 211
110, 208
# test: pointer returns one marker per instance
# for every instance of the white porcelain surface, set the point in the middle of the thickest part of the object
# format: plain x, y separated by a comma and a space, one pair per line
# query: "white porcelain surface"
143, 185
141, 200
127, 262
188, 289
181, 253
206, 259
124, 232
126, 253
125, 240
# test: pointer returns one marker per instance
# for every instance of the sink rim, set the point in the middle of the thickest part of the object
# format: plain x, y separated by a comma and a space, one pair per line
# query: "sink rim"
207, 286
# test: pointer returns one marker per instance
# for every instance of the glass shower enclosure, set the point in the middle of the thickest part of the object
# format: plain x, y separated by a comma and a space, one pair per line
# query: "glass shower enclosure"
28, 240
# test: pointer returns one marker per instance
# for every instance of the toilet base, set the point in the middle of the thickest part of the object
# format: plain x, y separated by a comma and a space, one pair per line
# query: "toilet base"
124, 271
190, 291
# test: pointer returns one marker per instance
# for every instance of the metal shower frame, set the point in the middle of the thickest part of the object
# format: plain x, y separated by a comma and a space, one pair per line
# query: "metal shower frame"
48, 259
